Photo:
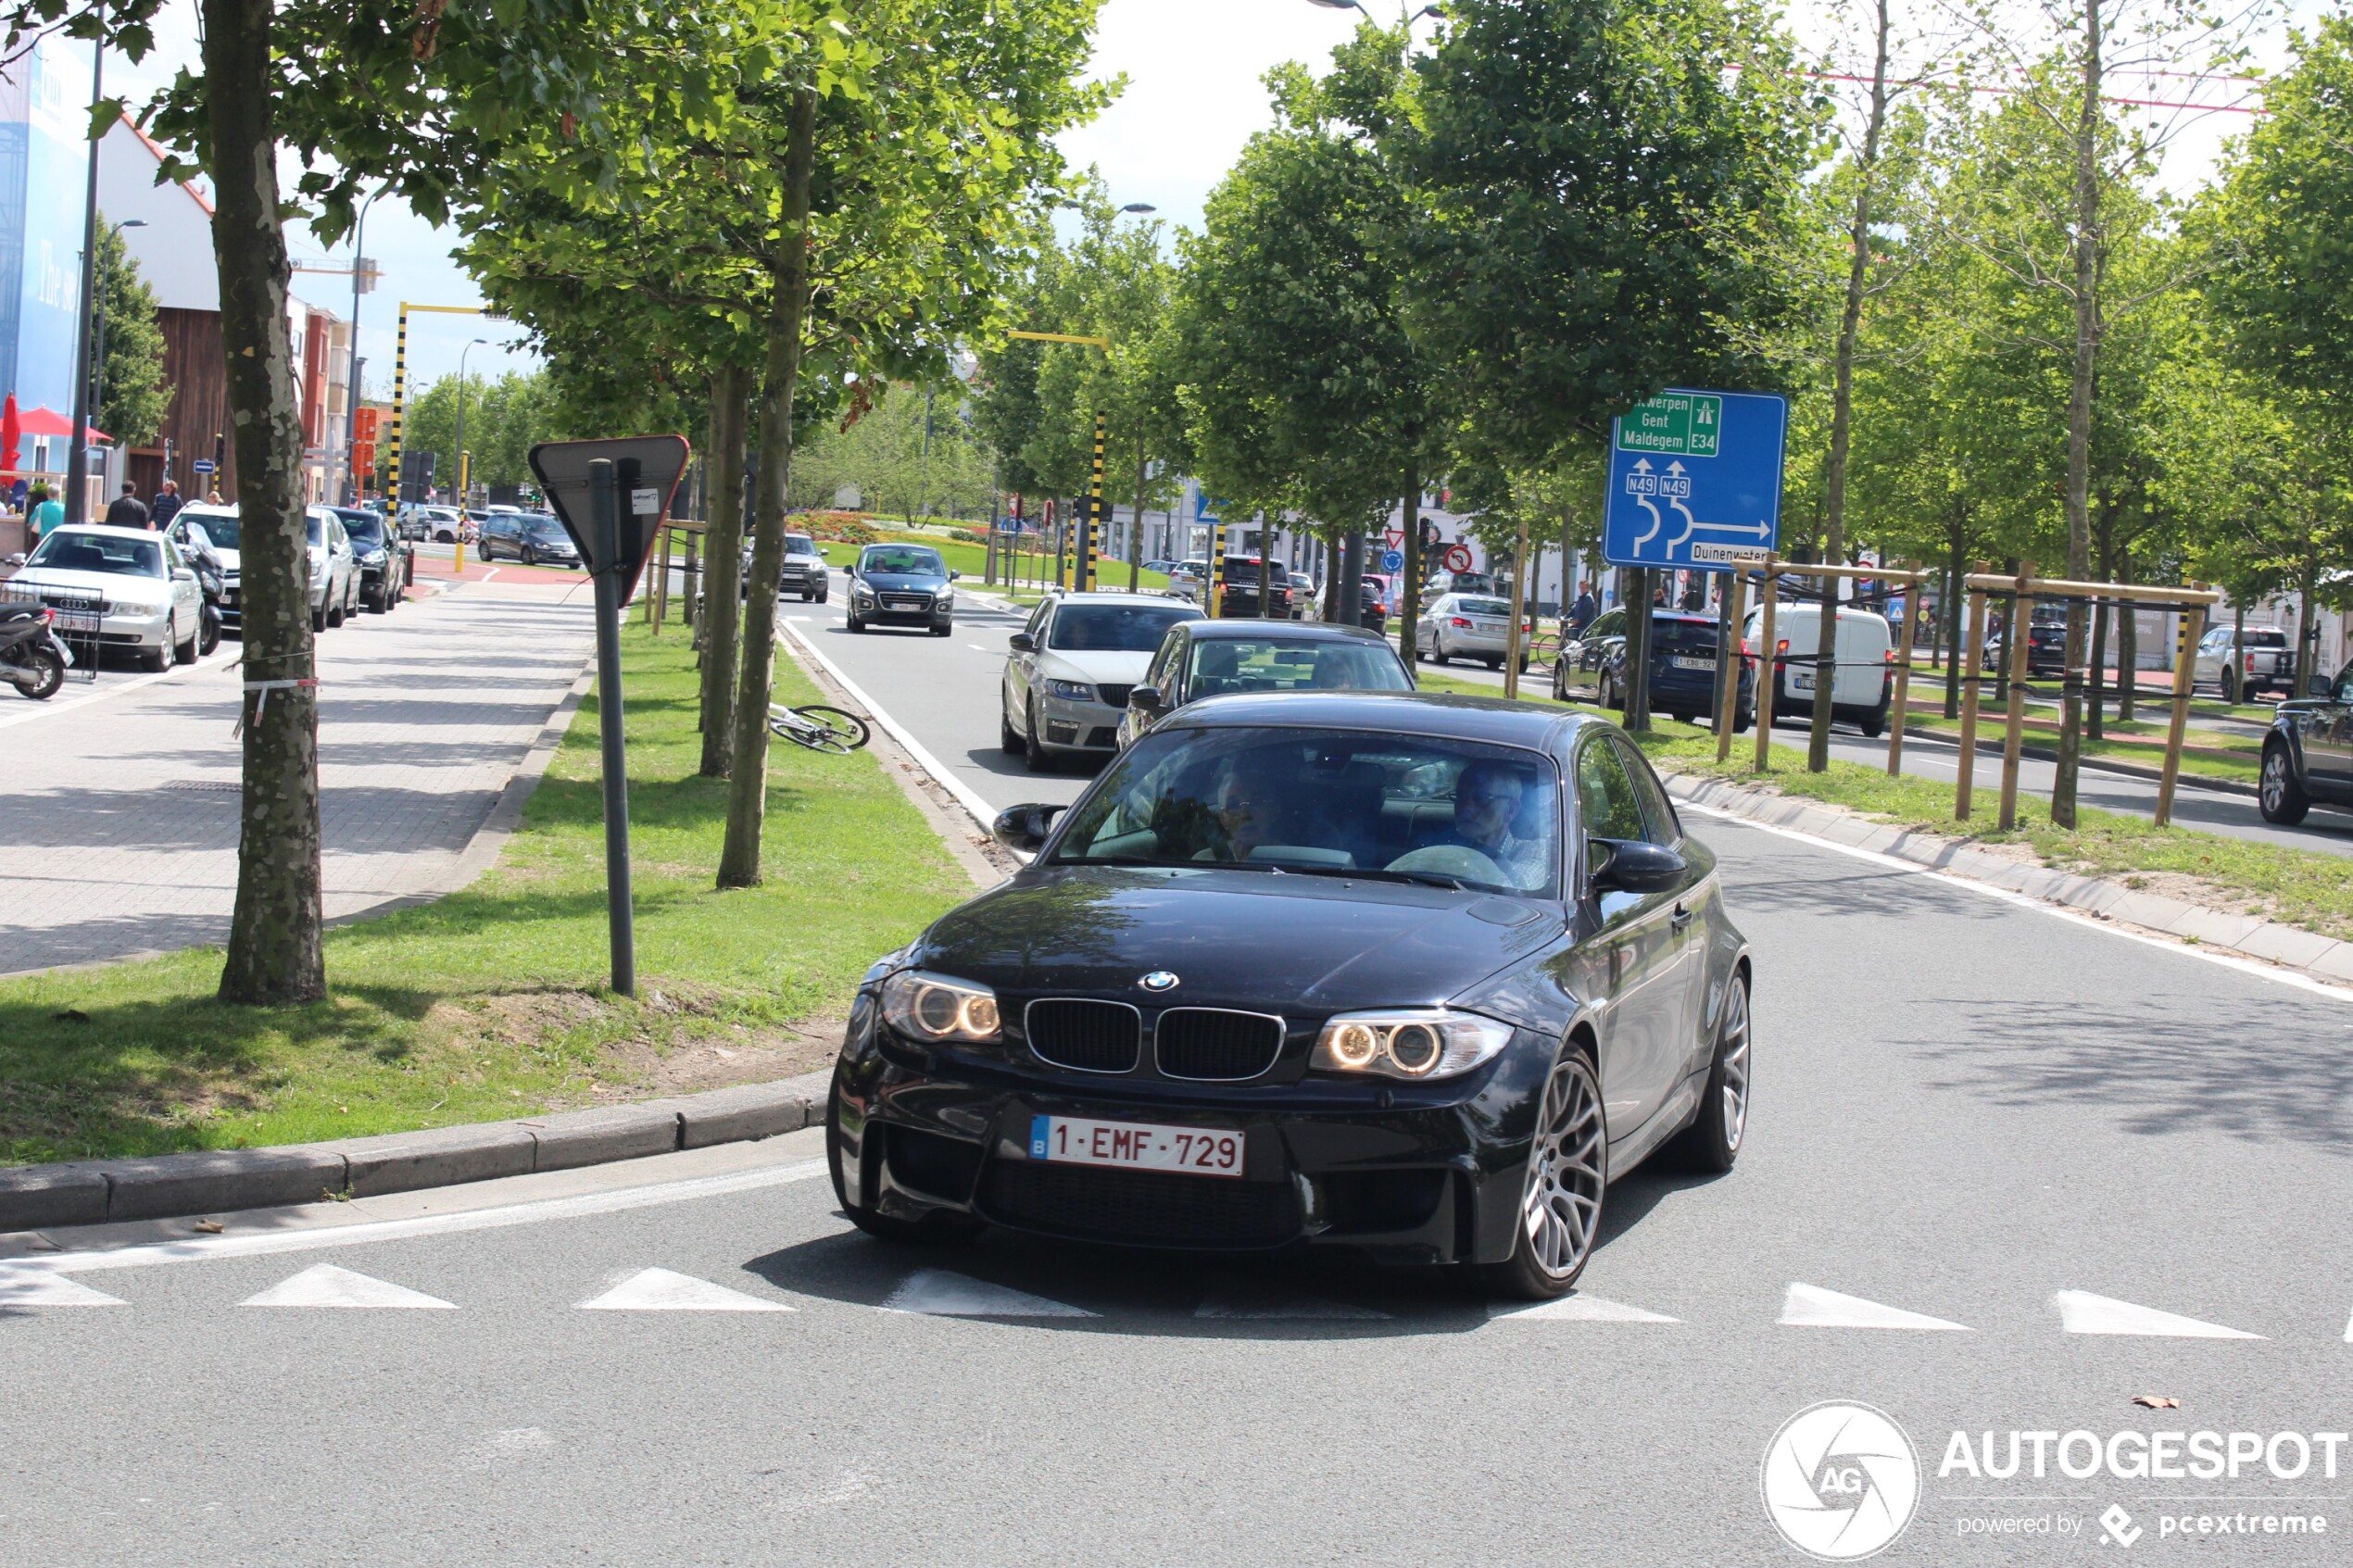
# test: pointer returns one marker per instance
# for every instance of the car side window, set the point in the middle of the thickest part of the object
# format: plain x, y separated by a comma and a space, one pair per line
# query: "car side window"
1657, 811
2345, 685
1607, 804
1163, 658
1038, 619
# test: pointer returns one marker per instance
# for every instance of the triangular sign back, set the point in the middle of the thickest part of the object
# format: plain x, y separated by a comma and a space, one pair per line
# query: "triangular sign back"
646, 469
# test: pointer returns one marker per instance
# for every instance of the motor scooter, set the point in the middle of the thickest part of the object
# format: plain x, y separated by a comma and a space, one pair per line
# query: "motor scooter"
33, 658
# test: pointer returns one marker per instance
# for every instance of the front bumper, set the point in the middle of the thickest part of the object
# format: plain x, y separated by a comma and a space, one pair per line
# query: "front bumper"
1433, 1175
1071, 725
903, 610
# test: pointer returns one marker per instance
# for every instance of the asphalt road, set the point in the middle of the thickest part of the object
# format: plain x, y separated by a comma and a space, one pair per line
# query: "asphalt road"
1966, 1107
2215, 812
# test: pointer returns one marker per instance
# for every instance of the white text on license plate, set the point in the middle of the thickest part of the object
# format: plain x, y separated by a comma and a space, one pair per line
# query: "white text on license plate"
1682, 662
1136, 1146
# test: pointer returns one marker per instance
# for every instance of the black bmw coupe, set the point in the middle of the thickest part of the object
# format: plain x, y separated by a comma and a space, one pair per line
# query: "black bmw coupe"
1413, 974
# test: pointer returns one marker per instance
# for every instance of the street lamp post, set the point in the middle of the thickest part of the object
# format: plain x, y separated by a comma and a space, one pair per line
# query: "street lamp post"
78, 438
351, 380
98, 327
460, 454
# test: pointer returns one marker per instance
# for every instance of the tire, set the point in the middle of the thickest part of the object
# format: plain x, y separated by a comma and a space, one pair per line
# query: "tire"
1560, 688
1033, 746
379, 602
2231, 693
1568, 1179
1438, 654
53, 673
208, 635
1495, 663
1742, 720
335, 612
946, 1226
856, 624
2282, 798
1874, 724
186, 653
1720, 1125
1606, 691
947, 631
528, 556
157, 659
1008, 738
820, 595
319, 615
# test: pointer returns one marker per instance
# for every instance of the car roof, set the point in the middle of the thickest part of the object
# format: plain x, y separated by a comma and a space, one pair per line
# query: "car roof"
1302, 631
104, 531
1439, 715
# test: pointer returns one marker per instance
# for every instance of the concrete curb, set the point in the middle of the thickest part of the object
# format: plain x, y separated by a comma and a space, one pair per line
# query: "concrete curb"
2324, 958
223, 1181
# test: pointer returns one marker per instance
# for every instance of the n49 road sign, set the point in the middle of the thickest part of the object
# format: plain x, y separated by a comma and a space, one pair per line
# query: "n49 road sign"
1696, 479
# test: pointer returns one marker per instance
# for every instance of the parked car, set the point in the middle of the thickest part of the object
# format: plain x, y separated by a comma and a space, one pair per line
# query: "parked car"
1346, 970
532, 538
2308, 758
146, 594
1239, 594
1443, 582
2264, 661
1065, 685
217, 526
1591, 666
2046, 644
443, 525
804, 570
1201, 659
334, 575
1184, 580
1473, 626
902, 585
387, 563
1862, 687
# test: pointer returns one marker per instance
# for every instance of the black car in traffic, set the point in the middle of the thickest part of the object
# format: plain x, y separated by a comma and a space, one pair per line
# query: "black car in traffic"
2308, 758
1414, 975
531, 538
384, 560
902, 585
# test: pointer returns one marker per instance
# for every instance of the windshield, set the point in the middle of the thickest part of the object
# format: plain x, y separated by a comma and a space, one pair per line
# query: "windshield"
1241, 571
219, 528
909, 560
1473, 582
1481, 607
1128, 628
539, 526
1414, 808
99, 552
1292, 664
799, 545
362, 527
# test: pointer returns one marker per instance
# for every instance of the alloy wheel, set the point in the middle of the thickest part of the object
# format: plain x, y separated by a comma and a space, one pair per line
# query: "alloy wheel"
1734, 1054
1565, 1176
2274, 780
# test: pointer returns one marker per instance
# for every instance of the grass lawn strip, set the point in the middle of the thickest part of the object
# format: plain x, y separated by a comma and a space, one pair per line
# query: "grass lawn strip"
491, 1003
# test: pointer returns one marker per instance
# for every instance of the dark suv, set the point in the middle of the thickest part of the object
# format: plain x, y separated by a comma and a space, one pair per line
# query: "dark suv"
1241, 596
532, 538
2308, 758
386, 561
804, 568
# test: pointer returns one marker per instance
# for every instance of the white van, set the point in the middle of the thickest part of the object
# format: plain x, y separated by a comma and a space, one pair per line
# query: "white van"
1864, 683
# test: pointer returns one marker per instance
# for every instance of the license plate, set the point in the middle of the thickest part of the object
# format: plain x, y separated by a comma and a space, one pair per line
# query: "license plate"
74, 619
1684, 664
1135, 1146
1801, 683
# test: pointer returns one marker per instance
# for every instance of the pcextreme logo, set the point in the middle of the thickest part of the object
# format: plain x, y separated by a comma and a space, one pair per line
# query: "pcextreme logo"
1841, 1481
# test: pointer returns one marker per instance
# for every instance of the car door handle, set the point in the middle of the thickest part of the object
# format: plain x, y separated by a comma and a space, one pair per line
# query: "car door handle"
1683, 917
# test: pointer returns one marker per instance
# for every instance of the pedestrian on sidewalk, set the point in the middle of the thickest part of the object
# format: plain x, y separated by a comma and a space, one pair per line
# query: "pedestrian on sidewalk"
167, 504
42, 512
127, 510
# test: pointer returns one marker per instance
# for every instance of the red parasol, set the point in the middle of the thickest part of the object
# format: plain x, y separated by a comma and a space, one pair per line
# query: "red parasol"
11, 439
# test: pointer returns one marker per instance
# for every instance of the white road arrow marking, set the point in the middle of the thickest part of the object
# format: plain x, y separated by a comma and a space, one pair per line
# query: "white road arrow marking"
1242, 1302
2082, 1312
1578, 1307
324, 1285
663, 1290
1809, 1306
43, 1289
943, 1295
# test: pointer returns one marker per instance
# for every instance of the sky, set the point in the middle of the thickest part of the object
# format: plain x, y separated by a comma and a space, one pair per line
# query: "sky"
1193, 96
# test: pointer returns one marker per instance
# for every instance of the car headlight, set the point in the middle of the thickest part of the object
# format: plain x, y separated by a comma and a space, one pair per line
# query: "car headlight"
373, 557
1070, 691
933, 1006
1408, 1043
862, 592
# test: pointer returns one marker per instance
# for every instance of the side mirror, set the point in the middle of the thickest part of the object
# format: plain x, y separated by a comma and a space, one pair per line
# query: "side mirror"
1022, 642
954, 575
1634, 865
1025, 827
184, 575
1145, 699
17, 559
2319, 685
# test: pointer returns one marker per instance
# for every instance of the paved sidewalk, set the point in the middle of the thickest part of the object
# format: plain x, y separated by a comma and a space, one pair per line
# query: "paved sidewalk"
119, 822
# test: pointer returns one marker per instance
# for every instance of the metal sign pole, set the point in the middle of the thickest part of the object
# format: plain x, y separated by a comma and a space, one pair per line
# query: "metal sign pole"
604, 501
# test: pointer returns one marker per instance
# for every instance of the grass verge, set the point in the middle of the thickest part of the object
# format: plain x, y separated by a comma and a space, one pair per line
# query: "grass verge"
492, 1002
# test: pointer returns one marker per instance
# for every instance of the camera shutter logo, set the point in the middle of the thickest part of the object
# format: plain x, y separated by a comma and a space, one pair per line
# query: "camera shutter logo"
1841, 1481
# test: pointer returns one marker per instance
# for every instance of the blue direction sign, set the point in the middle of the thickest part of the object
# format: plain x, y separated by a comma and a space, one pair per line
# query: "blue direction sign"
1392, 560
1696, 479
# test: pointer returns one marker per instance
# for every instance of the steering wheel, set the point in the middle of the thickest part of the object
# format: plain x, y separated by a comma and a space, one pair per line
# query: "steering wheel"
1452, 860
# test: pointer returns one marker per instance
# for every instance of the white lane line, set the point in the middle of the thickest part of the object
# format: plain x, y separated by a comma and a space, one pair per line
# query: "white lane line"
50, 1290
323, 1284
2348, 1331
52, 707
2082, 1312
1809, 1306
1250, 1305
980, 647
2002, 895
663, 1290
964, 795
204, 1248
937, 1293
1576, 1306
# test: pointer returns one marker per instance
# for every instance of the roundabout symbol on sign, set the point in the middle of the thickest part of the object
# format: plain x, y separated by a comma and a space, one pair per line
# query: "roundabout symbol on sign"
1458, 558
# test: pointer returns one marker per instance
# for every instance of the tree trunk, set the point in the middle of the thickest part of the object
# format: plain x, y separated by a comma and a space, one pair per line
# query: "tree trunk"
1637, 711
274, 954
2094, 721
1333, 558
747, 783
1955, 538
1135, 524
723, 560
2128, 645
1409, 592
1818, 749
2079, 414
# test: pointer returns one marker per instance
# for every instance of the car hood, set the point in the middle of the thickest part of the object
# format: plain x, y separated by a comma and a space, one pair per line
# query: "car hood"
228, 559
120, 587
908, 581
1095, 668
1299, 945
551, 544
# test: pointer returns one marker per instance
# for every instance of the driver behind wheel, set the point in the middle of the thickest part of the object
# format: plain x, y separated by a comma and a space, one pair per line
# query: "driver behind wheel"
1488, 798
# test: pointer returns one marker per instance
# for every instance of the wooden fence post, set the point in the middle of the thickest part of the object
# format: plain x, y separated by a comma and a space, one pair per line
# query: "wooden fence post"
1729, 668
1904, 675
2185, 669
2014, 733
1973, 658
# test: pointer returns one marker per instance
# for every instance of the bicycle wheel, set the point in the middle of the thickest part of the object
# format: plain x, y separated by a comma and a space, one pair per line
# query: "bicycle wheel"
822, 729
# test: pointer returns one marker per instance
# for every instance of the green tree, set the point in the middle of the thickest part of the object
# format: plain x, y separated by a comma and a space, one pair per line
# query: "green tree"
132, 398
504, 418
